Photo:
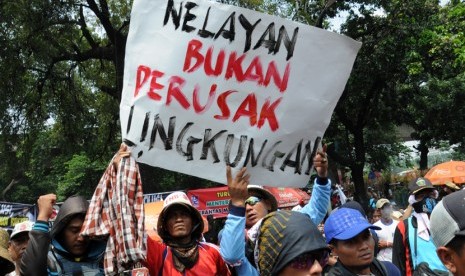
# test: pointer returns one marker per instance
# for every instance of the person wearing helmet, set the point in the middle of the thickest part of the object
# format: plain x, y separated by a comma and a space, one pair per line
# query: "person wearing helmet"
246, 210
62, 250
181, 251
19, 239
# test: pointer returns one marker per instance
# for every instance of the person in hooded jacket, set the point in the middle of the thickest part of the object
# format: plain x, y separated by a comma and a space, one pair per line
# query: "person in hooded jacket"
181, 251
62, 250
290, 244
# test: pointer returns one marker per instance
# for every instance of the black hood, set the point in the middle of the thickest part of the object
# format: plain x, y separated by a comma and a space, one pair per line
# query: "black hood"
72, 206
285, 235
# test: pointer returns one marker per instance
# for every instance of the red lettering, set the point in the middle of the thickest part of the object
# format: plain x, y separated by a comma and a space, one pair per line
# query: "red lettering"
154, 85
146, 72
219, 63
255, 72
272, 72
267, 113
197, 107
193, 53
248, 108
235, 67
174, 91
223, 105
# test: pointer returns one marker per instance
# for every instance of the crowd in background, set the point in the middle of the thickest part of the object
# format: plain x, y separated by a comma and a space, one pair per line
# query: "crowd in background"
256, 238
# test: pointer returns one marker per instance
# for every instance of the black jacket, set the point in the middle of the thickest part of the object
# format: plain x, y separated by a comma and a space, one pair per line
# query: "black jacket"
36, 258
377, 268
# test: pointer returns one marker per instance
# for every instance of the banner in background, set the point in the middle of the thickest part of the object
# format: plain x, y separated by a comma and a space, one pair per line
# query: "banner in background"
211, 201
13, 213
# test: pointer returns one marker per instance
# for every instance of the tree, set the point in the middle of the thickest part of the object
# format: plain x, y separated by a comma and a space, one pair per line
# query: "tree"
371, 103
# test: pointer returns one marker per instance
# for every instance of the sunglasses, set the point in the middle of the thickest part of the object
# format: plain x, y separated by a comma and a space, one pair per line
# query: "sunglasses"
306, 260
252, 200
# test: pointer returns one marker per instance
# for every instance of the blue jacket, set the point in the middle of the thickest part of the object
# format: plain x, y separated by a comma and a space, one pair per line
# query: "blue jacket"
233, 251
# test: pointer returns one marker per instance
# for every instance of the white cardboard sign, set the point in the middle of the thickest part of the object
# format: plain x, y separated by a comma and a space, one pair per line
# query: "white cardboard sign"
208, 85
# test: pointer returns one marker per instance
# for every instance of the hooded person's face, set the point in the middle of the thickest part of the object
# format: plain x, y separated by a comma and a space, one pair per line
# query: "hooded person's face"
179, 223
308, 264
71, 239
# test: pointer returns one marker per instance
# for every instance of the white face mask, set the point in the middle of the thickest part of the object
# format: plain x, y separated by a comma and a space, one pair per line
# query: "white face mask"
386, 212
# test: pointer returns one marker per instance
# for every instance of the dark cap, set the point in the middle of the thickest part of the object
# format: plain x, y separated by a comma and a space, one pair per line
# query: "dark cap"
448, 218
419, 184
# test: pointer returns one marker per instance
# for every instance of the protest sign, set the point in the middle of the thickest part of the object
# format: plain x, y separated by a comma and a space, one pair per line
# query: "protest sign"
208, 85
211, 201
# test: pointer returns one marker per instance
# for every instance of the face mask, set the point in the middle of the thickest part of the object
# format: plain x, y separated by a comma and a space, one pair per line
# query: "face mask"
426, 205
386, 213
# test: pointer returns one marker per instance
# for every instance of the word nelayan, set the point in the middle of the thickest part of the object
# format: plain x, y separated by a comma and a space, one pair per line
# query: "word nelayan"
227, 30
268, 156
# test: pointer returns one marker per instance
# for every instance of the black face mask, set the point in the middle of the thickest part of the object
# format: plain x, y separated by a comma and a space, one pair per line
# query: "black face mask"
426, 205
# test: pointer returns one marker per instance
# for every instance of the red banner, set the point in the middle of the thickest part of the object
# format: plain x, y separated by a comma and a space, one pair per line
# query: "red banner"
288, 197
211, 201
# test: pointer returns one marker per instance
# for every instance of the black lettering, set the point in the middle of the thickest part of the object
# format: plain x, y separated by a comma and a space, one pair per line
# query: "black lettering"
231, 33
267, 43
176, 16
240, 149
276, 154
251, 153
145, 127
209, 143
203, 32
288, 43
248, 30
296, 163
130, 119
191, 142
189, 17
158, 127
310, 156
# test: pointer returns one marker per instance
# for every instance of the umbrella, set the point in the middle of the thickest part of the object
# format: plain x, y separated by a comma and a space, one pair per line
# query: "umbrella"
453, 171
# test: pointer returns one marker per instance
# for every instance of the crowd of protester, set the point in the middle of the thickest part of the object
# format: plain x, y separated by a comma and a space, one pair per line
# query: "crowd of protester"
428, 238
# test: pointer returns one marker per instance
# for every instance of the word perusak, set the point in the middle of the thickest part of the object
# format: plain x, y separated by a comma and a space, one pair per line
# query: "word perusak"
266, 157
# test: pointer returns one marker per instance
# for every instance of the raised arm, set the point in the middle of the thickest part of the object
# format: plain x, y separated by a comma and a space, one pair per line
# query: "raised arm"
318, 206
34, 259
232, 244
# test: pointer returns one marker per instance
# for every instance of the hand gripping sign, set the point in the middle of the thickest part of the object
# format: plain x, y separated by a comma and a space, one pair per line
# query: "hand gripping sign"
208, 85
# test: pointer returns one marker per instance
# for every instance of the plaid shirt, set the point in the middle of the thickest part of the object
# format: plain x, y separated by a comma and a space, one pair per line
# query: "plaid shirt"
116, 211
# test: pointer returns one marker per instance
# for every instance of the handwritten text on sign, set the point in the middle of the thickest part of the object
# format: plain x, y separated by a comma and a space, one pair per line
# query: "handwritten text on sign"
208, 85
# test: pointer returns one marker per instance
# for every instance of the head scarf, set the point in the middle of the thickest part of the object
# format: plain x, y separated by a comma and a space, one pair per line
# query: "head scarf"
283, 236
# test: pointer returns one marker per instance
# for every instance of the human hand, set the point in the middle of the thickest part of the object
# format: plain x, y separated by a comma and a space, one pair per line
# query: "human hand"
320, 162
122, 152
384, 244
45, 204
237, 186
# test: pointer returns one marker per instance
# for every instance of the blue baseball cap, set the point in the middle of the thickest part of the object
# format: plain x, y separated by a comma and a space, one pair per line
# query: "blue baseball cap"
346, 223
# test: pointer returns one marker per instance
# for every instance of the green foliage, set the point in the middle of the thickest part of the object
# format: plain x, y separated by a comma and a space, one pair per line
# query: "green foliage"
62, 68
81, 177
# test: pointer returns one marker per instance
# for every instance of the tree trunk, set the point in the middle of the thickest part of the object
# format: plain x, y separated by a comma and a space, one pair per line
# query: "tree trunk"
13, 182
423, 148
357, 168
